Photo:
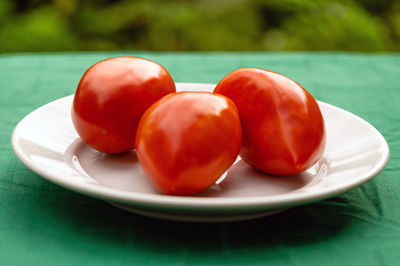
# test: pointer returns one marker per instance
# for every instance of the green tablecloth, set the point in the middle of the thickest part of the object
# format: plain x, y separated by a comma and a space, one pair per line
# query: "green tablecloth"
43, 224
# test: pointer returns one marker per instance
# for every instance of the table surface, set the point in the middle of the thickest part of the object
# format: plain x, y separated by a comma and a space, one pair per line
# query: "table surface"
43, 224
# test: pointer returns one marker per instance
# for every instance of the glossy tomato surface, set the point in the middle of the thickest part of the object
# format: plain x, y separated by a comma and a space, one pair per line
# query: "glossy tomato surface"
111, 98
283, 128
187, 140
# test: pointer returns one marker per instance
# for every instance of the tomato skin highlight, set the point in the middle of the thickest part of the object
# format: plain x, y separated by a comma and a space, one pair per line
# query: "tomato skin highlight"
112, 96
187, 140
283, 128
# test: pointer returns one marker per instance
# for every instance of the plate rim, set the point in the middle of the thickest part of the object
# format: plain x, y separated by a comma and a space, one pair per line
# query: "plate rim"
192, 202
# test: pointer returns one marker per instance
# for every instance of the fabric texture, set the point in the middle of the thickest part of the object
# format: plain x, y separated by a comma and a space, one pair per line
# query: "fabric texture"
44, 224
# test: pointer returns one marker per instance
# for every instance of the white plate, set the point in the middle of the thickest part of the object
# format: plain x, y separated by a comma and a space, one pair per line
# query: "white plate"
46, 142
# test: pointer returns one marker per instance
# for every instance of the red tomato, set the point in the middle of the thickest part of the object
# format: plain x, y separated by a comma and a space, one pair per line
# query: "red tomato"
111, 98
283, 129
187, 140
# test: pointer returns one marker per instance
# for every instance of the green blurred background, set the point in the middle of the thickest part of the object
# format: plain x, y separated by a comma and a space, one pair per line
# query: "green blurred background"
202, 25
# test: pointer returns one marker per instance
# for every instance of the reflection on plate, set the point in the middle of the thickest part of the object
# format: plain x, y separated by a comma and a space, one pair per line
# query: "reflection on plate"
46, 142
